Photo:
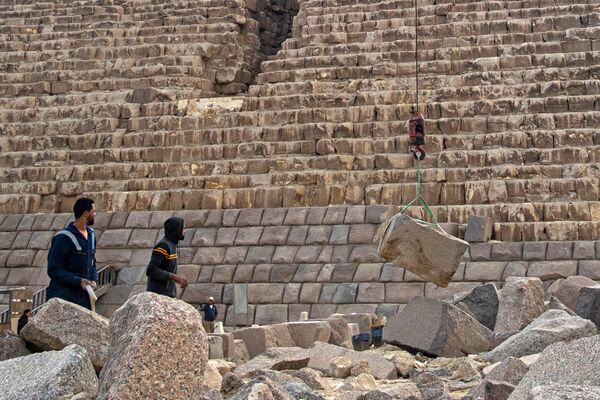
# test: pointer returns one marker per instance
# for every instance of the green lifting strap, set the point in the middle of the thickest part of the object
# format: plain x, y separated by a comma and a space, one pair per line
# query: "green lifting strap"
421, 200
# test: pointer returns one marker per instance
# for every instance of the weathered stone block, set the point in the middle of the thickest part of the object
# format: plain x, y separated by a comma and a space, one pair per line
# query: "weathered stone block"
143, 238
20, 258
249, 236
546, 270
209, 255
362, 233
370, 292
40, 240
132, 332
271, 314
479, 229
583, 250
115, 238
565, 363
307, 254
507, 251
265, 293
484, 271
282, 272
534, 251
590, 269
482, 303
225, 236
305, 333
559, 251
260, 254
422, 253
521, 301
297, 235
223, 273
368, 272
447, 331
262, 273
55, 374
551, 327
138, 219
588, 302
480, 251
307, 273
339, 234
274, 235
250, 217
204, 237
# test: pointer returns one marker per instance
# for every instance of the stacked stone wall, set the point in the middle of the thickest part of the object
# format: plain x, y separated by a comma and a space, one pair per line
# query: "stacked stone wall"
320, 260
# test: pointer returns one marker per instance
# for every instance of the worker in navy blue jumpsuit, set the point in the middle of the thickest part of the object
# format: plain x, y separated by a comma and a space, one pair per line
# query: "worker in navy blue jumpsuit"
72, 257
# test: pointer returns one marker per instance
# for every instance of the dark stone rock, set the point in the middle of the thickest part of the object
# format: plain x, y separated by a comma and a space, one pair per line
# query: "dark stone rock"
482, 303
231, 383
556, 304
588, 304
521, 301
11, 346
300, 390
511, 370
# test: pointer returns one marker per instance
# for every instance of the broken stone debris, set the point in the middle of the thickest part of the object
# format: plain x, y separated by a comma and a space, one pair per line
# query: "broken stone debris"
60, 323
51, 375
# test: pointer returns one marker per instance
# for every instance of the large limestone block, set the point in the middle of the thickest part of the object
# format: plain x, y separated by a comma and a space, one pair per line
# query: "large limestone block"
228, 344
49, 375
154, 339
305, 333
567, 290
428, 252
551, 327
11, 346
277, 358
563, 363
340, 333
521, 301
257, 339
437, 327
482, 303
60, 323
363, 320
322, 353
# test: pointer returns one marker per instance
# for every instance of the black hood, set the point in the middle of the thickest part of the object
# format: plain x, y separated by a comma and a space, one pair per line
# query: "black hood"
174, 229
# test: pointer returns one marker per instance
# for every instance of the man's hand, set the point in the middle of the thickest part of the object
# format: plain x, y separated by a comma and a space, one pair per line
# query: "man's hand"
181, 280
85, 282
94, 285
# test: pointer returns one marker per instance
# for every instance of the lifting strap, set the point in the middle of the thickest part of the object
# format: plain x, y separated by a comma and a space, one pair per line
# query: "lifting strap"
420, 200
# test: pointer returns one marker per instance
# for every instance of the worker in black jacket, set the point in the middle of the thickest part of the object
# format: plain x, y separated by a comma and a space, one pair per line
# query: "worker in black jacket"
162, 269
72, 257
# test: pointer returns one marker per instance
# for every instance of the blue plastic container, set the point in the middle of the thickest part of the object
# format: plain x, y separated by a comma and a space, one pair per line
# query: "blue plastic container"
361, 341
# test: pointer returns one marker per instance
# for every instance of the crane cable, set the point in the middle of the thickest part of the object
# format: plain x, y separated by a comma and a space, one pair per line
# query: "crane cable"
417, 55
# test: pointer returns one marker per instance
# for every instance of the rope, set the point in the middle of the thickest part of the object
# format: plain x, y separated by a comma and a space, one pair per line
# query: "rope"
420, 199
417, 54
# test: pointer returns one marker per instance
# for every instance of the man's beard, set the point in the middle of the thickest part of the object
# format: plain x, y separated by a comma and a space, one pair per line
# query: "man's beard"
90, 221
